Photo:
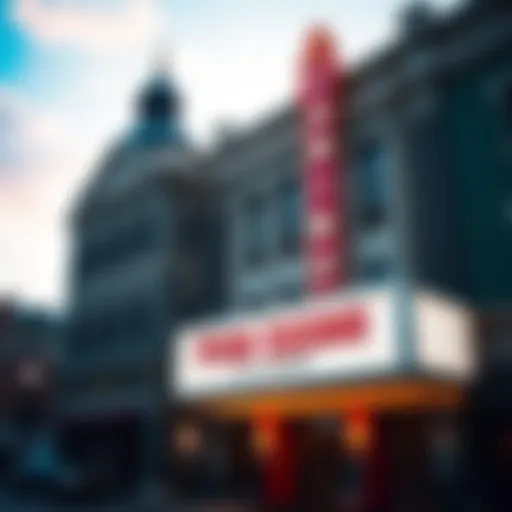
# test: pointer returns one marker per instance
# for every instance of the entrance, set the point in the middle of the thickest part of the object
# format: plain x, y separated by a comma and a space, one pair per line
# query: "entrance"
336, 464
406, 472
302, 466
294, 452
319, 466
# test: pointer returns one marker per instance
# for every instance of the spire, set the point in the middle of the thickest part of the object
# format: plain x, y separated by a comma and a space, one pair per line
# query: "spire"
159, 105
162, 61
159, 98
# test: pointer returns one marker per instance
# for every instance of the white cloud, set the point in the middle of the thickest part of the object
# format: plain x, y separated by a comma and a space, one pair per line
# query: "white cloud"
97, 25
32, 257
35, 175
27, 137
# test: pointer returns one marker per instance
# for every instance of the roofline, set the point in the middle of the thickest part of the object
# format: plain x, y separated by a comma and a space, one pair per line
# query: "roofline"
357, 77
374, 64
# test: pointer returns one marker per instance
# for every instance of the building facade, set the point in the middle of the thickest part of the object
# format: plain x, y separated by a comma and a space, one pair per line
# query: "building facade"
127, 289
368, 189
366, 194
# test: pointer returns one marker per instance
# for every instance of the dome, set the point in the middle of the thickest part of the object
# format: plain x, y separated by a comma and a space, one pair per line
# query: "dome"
158, 112
159, 99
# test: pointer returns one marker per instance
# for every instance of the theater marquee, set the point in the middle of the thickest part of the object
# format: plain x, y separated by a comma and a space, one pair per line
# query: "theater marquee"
323, 340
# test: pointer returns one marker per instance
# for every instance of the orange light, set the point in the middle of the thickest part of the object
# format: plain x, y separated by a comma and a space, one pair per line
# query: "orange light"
400, 395
187, 440
357, 432
264, 435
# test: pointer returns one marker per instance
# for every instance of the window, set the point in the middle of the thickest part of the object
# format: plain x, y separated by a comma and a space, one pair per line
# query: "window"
117, 247
190, 274
289, 205
376, 269
142, 237
253, 231
80, 334
507, 114
95, 254
373, 184
252, 301
507, 104
89, 257
101, 330
291, 292
136, 320
109, 328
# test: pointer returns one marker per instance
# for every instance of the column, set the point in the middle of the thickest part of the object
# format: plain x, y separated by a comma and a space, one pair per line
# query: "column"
364, 445
275, 441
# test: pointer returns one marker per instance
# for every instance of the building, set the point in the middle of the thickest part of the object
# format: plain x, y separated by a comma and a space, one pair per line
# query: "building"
366, 249
348, 231
29, 350
127, 290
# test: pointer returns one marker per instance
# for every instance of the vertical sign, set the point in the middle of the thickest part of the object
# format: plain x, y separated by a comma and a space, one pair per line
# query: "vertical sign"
322, 110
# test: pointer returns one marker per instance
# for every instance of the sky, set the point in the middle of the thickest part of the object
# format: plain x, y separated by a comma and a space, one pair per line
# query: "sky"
69, 71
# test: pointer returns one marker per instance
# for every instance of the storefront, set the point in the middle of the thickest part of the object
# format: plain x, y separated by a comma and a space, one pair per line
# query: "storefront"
341, 399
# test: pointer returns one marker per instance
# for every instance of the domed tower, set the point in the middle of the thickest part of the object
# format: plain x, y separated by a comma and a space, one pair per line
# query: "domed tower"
158, 111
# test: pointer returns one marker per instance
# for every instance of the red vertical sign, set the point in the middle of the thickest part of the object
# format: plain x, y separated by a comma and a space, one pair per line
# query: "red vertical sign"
322, 110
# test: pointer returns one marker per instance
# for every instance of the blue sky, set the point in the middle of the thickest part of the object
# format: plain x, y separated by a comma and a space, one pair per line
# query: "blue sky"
68, 73
14, 48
